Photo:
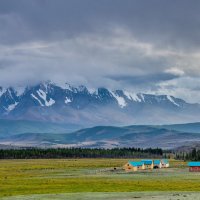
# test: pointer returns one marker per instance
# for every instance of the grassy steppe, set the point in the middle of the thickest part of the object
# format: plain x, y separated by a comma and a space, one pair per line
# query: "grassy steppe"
25, 177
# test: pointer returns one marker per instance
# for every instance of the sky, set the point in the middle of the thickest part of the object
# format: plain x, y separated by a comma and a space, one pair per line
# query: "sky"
149, 46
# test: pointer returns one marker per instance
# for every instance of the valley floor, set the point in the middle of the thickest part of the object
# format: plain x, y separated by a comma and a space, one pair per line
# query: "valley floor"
94, 179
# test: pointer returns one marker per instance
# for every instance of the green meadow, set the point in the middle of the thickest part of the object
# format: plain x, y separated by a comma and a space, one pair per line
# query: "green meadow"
74, 177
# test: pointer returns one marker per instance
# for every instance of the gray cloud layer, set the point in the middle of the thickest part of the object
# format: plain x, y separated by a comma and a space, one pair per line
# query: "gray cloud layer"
144, 46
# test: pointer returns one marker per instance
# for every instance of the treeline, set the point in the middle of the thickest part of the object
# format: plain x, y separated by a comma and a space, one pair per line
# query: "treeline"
33, 153
193, 155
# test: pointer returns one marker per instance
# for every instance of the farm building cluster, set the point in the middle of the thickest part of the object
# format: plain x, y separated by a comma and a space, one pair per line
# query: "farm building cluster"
146, 164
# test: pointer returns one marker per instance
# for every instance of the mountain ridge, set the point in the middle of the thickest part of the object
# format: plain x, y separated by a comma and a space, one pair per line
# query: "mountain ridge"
143, 136
78, 105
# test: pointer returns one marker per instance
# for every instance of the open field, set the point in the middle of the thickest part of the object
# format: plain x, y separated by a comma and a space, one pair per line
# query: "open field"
67, 176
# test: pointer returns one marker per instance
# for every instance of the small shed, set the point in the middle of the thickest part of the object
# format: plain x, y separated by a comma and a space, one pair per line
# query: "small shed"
194, 166
148, 164
165, 163
134, 166
157, 164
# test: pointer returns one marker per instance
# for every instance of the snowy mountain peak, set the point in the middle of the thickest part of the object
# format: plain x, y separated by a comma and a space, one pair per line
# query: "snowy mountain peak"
172, 99
46, 94
120, 99
43, 95
132, 96
48, 101
67, 86
2, 91
82, 89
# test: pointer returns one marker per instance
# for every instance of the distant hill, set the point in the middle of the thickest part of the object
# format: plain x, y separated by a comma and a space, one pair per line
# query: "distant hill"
143, 136
189, 127
14, 127
188, 147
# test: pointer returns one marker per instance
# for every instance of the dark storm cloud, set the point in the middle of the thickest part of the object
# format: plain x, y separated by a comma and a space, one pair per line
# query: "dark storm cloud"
149, 45
172, 22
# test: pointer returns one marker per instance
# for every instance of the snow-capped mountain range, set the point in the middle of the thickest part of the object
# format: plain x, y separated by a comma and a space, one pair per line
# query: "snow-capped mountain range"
78, 105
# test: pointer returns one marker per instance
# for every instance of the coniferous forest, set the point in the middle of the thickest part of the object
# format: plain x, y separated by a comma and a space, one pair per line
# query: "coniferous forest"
193, 155
33, 153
